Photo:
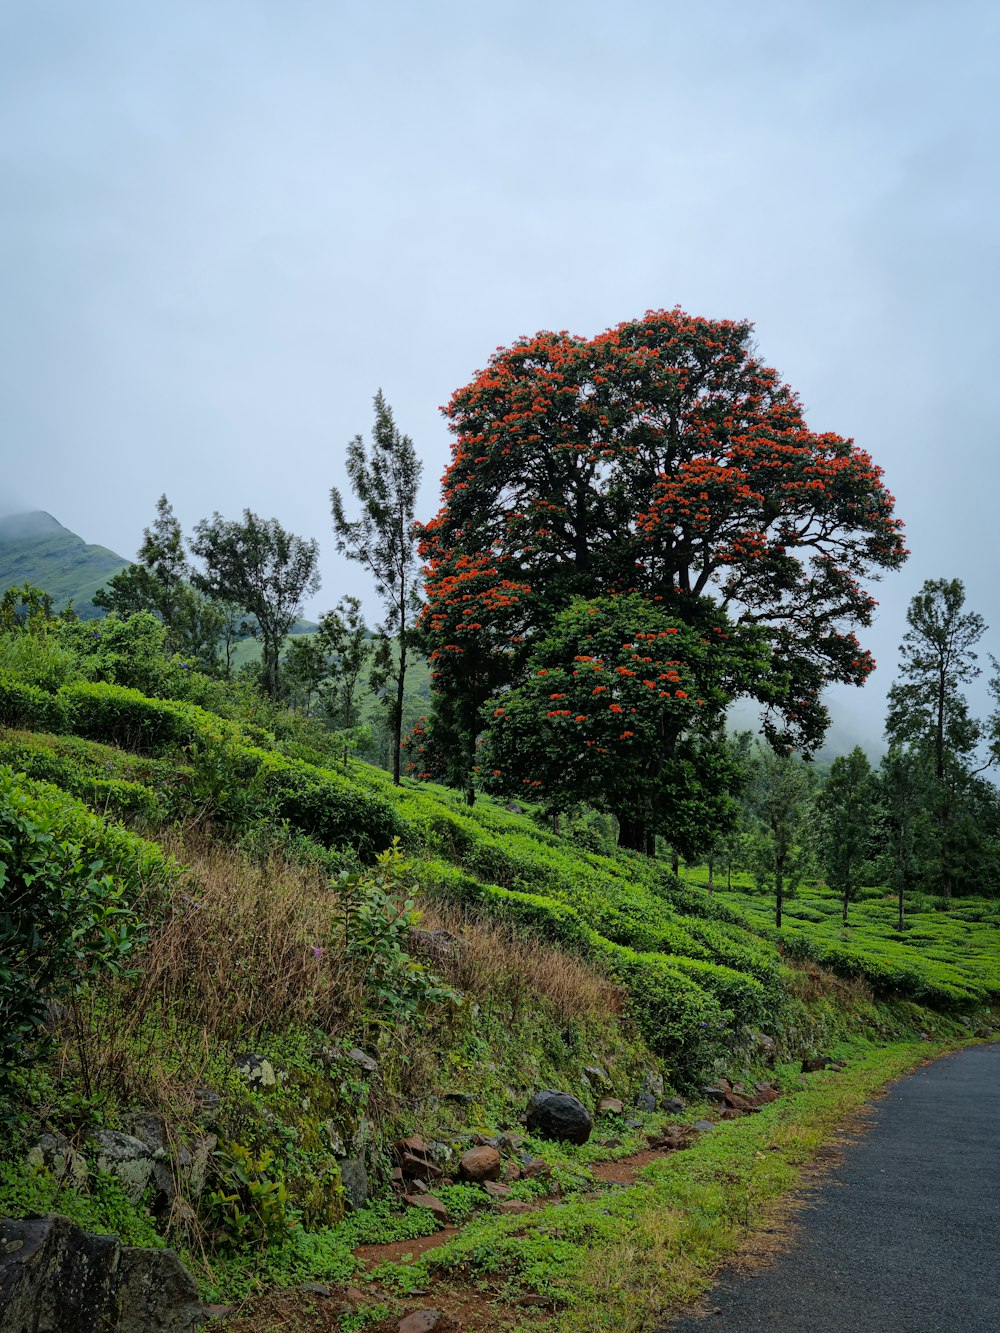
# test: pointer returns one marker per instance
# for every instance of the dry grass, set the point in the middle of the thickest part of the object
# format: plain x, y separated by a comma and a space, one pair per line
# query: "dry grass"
808, 981
493, 961
245, 948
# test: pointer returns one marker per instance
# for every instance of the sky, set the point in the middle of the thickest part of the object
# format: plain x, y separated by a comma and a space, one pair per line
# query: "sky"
224, 224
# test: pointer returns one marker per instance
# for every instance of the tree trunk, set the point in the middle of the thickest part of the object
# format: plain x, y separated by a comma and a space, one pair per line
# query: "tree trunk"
397, 719
631, 834
779, 885
711, 881
846, 901
675, 861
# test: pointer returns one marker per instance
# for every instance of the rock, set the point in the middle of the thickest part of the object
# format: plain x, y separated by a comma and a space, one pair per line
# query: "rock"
366, 1063
514, 808
634, 1124
460, 1098
413, 1144
429, 1201
703, 1126
436, 944
486, 1141
426, 1321
495, 1190
674, 1105
814, 1066
737, 1103
511, 1171
412, 1165
314, 1289
558, 1116
126, 1158
611, 1143
714, 1094
354, 1176
515, 1207
509, 1143
645, 1101
201, 1154
257, 1071
55, 1276
537, 1166
653, 1083
610, 1106
56, 1154
766, 1048
764, 1094
479, 1164
596, 1076
207, 1099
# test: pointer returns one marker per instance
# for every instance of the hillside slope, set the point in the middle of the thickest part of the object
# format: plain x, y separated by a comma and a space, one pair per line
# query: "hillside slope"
36, 548
337, 990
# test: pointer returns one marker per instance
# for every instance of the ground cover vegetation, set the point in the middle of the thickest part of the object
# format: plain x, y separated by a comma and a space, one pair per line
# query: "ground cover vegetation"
306, 985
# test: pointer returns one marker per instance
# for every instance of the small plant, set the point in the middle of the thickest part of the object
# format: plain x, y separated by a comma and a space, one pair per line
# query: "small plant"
377, 921
250, 1205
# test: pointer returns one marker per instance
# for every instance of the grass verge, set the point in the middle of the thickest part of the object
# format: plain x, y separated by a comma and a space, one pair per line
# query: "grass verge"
630, 1260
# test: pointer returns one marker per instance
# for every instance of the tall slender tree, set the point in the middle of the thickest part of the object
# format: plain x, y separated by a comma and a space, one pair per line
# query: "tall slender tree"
927, 707
385, 482
780, 792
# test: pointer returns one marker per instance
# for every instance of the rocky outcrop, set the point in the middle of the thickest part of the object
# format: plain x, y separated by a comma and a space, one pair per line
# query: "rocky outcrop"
54, 1278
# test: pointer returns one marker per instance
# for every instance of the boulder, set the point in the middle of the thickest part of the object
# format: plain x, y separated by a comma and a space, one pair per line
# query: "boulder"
480, 1164
703, 1126
558, 1116
596, 1076
814, 1066
645, 1101
55, 1276
674, 1105
126, 1158
257, 1071
714, 1094
354, 1176
497, 1191
610, 1106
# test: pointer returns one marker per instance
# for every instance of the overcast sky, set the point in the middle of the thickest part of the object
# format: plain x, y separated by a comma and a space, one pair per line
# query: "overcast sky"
225, 223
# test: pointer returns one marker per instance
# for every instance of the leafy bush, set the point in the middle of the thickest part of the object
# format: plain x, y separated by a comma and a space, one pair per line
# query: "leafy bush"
62, 918
24, 705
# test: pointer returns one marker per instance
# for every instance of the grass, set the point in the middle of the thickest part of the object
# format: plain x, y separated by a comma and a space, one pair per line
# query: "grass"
623, 1262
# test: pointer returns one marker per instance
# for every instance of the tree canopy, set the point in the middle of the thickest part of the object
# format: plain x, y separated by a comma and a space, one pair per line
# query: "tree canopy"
661, 459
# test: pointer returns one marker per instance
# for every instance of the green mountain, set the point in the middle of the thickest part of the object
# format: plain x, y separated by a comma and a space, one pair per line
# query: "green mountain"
36, 548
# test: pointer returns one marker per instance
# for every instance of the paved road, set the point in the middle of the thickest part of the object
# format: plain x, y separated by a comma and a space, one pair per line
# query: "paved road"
904, 1236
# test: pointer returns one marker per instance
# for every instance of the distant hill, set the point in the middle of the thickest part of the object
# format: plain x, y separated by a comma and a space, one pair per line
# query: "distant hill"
36, 548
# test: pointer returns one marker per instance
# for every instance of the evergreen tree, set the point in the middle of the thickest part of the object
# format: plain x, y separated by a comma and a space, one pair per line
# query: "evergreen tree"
780, 791
845, 806
928, 710
385, 482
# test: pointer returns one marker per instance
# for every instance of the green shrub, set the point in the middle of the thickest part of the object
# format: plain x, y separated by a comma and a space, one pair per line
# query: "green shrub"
24, 705
63, 919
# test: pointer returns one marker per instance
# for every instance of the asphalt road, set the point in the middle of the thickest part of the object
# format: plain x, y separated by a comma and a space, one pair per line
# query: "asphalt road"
904, 1236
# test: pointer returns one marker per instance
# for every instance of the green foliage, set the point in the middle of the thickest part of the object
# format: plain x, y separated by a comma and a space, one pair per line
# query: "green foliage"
104, 1208
249, 1203
257, 565
622, 708
25, 705
378, 917
62, 920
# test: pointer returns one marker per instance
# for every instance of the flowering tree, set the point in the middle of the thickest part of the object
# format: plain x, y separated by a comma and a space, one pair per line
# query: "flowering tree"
661, 458
622, 707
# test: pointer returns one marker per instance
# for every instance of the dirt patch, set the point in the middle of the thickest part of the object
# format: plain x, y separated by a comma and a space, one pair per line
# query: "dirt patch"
373, 1255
